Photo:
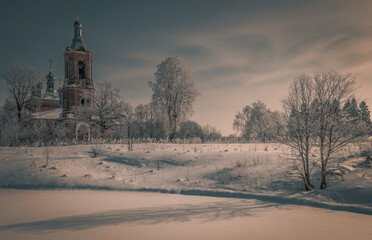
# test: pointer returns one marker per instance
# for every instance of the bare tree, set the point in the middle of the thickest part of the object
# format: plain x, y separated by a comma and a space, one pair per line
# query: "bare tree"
128, 124
143, 118
9, 129
174, 91
242, 122
123, 128
211, 133
314, 118
20, 80
148, 122
47, 132
108, 107
298, 129
331, 90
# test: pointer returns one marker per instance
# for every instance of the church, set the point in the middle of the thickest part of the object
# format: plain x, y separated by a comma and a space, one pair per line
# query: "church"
72, 104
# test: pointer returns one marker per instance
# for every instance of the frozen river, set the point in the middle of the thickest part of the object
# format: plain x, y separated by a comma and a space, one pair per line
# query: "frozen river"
85, 214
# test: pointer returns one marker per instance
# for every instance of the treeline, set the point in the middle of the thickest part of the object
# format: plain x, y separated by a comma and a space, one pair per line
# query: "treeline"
320, 117
165, 118
257, 123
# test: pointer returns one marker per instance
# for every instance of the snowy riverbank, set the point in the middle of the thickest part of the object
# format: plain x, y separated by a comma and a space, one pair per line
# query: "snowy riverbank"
260, 171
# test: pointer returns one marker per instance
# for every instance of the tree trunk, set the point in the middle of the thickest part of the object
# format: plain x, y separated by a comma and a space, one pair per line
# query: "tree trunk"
323, 183
102, 132
129, 135
307, 183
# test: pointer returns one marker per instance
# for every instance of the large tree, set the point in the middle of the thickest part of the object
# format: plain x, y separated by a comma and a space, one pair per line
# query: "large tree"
332, 89
319, 115
20, 80
174, 92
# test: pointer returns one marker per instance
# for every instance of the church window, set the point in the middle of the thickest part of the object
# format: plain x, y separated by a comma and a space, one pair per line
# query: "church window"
82, 102
81, 70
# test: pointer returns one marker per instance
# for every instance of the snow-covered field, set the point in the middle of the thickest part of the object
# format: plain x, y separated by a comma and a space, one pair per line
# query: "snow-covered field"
236, 187
265, 169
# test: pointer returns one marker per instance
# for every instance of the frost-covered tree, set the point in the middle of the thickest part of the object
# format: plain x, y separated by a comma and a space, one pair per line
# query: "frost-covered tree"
256, 122
190, 130
315, 110
142, 116
174, 92
20, 80
45, 132
242, 123
298, 128
332, 89
148, 122
123, 130
211, 134
9, 129
108, 107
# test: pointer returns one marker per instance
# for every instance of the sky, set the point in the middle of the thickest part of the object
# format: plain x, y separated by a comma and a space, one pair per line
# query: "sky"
239, 51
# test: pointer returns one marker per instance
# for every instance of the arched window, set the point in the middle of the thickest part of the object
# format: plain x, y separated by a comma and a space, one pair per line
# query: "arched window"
81, 70
82, 102
66, 69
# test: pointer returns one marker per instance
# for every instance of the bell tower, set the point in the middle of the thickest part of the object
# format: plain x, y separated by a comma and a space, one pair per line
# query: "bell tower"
78, 88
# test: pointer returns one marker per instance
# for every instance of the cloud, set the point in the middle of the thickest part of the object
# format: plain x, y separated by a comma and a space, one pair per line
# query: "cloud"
191, 51
239, 51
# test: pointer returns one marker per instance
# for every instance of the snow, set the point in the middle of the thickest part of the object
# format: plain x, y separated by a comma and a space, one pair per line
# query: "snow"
55, 113
257, 179
83, 214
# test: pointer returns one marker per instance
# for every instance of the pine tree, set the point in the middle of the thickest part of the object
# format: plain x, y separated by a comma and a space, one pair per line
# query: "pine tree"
351, 111
364, 113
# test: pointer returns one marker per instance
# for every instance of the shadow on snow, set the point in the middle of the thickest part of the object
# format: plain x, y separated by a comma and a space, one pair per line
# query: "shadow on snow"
208, 212
180, 213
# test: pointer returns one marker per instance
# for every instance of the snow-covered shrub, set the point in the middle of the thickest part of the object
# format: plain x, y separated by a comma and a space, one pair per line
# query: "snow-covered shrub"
96, 150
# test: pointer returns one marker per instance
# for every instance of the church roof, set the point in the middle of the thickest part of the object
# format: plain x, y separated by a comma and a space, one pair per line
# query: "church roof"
78, 40
54, 114
50, 75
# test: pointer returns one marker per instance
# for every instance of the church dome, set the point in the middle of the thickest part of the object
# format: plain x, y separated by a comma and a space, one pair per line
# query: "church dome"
51, 76
50, 81
77, 23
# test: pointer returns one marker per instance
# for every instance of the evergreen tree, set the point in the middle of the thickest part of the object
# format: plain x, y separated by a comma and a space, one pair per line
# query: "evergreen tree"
351, 111
364, 113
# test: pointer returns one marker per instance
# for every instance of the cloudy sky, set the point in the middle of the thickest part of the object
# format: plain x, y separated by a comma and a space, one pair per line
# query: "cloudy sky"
239, 51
